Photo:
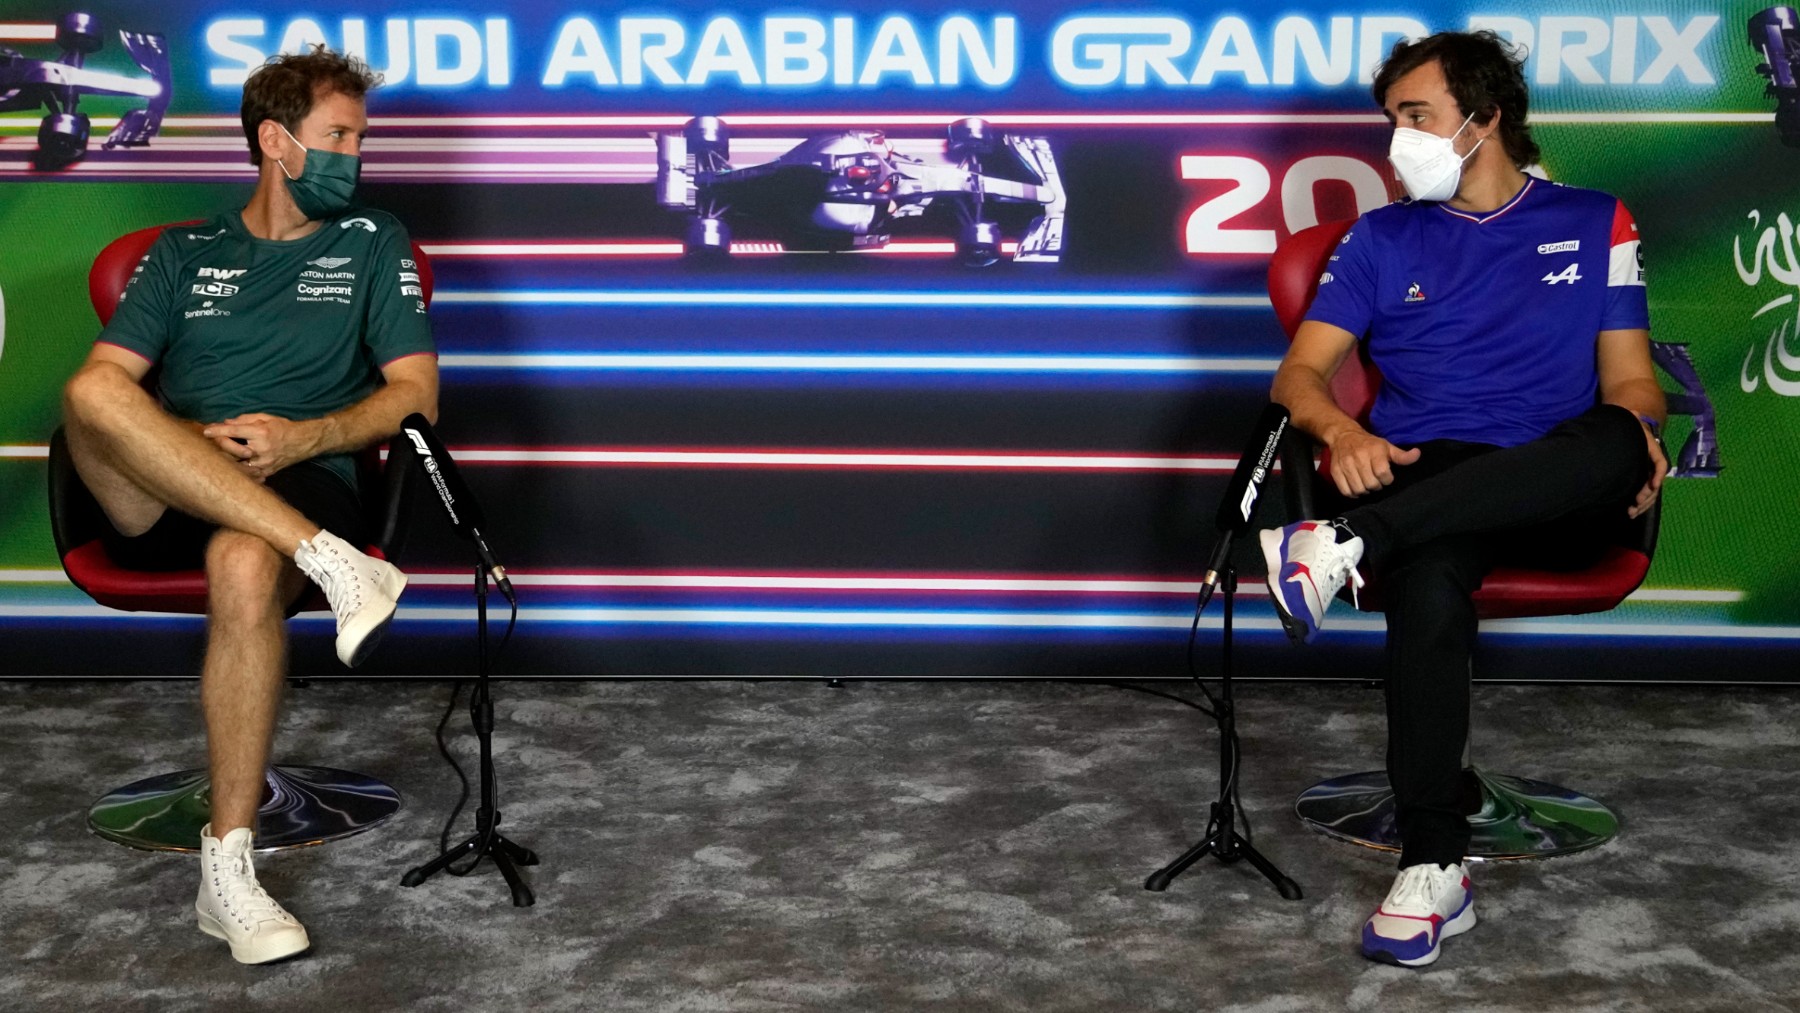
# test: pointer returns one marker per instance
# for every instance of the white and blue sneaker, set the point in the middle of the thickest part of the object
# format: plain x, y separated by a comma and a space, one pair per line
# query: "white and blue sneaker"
1428, 904
1307, 567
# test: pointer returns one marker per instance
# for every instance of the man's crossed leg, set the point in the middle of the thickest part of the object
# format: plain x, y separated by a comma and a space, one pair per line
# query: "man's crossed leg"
140, 463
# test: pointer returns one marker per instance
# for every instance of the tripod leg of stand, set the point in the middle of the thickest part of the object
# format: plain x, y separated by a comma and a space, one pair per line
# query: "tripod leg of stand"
1161, 878
1288, 889
420, 874
521, 894
517, 852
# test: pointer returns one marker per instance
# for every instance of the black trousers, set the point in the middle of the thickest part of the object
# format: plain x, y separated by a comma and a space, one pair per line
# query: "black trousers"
1554, 503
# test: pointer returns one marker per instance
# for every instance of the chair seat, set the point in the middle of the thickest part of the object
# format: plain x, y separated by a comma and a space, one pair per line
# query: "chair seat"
179, 591
110, 584
1517, 593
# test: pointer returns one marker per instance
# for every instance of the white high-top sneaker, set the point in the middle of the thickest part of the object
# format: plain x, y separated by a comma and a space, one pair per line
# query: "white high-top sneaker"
232, 906
362, 591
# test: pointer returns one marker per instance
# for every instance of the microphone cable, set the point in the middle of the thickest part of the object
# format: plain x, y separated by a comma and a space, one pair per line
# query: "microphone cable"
1216, 711
462, 799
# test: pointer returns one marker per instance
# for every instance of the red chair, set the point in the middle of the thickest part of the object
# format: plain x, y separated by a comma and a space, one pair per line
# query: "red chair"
1519, 817
302, 804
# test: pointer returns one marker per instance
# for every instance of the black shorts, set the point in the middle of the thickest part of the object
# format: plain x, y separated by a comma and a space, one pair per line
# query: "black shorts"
177, 541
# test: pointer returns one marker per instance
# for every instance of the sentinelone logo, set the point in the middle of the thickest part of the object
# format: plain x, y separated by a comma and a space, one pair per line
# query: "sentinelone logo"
838, 51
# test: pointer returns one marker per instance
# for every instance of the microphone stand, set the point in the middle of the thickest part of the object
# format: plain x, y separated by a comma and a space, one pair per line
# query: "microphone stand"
487, 841
1222, 839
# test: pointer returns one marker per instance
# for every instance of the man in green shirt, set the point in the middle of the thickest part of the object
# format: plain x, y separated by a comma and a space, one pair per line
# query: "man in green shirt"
286, 337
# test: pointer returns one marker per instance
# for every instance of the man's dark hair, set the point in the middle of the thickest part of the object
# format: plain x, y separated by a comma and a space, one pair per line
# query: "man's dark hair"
1486, 74
285, 88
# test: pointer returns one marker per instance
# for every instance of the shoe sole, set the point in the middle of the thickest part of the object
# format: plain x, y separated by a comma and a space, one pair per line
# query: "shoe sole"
1270, 538
1463, 922
267, 954
362, 645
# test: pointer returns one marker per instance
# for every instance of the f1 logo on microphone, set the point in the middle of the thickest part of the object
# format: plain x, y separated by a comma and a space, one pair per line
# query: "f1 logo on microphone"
1249, 501
425, 455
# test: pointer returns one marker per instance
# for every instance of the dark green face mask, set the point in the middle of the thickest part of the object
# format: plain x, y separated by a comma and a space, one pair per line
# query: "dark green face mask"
326, 182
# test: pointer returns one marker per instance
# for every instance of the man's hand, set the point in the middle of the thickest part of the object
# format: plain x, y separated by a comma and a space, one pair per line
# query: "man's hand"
1659, 466
265, 444
1362, 462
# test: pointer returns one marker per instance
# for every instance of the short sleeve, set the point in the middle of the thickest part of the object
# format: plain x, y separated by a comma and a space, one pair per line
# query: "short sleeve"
141, 322
1346, 294
1627, 300
397, 325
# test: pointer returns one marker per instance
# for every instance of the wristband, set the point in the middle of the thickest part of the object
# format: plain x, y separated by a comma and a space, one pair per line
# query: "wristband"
1650, 423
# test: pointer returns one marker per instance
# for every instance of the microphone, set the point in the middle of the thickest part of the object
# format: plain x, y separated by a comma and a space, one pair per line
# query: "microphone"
459, 503
1239, 502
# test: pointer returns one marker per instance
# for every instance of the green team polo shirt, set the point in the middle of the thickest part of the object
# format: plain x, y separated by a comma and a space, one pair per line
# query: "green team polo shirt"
294, 328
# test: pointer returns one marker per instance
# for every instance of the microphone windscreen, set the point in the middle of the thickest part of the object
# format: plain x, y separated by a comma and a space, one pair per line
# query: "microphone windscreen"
440, 472
1258, 459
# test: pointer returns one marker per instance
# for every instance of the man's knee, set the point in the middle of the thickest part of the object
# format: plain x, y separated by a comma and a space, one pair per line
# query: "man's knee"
1438, 578
243, 575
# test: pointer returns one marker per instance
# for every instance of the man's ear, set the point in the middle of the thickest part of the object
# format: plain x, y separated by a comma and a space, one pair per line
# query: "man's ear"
272, 140
1492, 127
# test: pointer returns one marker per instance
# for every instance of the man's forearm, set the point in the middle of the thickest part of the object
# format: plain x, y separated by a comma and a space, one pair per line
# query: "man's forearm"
1643, 398
371, 420
1307, 397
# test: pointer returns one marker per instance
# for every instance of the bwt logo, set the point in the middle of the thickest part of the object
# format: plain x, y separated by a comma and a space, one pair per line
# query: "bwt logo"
221, 273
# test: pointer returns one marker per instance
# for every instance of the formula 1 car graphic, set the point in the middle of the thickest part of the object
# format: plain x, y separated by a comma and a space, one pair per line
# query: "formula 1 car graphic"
841, 191
1699, 454
58, 85
1775, 35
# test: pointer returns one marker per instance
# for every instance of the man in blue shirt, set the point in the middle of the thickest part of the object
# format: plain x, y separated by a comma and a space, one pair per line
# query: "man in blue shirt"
1518, 412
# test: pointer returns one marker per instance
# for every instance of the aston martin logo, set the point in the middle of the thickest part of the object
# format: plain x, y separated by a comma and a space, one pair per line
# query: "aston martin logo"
330, 263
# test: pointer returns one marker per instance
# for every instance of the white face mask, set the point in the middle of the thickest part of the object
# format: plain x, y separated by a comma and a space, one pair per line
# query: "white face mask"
1426, 164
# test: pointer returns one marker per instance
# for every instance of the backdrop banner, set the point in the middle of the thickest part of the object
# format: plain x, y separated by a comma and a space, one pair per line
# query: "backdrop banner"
971, 416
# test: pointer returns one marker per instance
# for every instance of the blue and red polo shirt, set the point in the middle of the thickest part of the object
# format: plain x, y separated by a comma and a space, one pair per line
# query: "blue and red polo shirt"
1484, 326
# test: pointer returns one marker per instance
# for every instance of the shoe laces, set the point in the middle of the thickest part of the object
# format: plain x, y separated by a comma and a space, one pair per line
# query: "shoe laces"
244, 897
1417, 888
1337, 567
339, 579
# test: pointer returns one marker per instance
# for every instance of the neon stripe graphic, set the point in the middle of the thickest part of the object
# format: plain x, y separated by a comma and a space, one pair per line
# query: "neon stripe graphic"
889, 299
844, 363
16, 32
880, 119
865, 459
941, 619
1070, 584
655, 248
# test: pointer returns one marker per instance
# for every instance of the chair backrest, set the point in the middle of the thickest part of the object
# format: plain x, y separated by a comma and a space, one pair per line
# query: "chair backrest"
113, 268
1294, 273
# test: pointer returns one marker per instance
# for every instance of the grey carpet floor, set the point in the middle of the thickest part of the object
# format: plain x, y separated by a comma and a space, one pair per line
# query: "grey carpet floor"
907, 846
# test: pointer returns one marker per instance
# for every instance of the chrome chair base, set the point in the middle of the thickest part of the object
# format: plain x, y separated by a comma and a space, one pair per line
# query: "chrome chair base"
1519, 818
301, 806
